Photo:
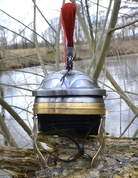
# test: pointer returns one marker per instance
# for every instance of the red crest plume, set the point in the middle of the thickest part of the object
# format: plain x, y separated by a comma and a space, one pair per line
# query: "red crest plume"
68, 12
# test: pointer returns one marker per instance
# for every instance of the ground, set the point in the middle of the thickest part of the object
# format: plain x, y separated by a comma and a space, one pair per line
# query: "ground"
120, 160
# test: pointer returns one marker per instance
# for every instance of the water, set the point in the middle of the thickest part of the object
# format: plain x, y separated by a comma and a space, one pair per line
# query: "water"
124, 71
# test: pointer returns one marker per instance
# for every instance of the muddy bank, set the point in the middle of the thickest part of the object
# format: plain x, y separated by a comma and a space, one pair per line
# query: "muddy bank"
28, 57
119, 47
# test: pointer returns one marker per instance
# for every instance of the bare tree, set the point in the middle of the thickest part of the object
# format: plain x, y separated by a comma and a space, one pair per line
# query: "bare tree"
3, 40
36, 42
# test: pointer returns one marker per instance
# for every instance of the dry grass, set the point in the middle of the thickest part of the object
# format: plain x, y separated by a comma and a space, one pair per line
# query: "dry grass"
21, 58
123, 47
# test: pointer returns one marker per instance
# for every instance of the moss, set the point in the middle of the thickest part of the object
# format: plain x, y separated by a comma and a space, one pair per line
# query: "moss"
112, 149
127, 150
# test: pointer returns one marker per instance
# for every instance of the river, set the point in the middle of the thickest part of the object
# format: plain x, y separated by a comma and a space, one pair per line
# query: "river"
123, 69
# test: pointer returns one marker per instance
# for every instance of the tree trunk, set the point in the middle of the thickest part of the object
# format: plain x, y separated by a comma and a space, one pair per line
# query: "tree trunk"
57, 57
6, 133
93, 59
36, 45
20, 121
107, 41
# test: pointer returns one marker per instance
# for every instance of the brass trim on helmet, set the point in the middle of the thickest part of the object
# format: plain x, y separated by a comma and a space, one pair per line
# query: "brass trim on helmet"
70, 108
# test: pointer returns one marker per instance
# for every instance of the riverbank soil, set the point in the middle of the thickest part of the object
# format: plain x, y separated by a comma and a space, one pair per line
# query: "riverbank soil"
21, 58
120, 160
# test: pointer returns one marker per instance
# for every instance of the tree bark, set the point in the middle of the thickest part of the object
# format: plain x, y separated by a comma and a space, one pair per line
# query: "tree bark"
106, 44
93, 59
21, 161
5, 132
36, 44
57, 57
20, 121
85, 29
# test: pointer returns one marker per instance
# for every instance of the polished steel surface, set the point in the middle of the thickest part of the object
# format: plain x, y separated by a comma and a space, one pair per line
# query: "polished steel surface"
75, 83
69, 99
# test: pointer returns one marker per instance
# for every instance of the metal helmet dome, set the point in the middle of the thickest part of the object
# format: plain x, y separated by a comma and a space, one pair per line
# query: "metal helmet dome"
68, 101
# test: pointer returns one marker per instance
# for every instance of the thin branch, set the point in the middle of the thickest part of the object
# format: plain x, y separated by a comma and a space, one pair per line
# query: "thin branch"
117, 87
123, 26
106, 7
8, 172
89, 22
16, 70
21, 134
6, 133
16, 96
84, 26
15, 86
44, 17
100, 39
21, 108
57, 42
15, 116
129, 124
125, 98
97, 13
28, 28
19, 33
135, 133
36, 43
16, 33
20, 121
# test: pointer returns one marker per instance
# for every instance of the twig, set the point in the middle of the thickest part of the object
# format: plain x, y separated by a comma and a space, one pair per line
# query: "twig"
16, 33
6, 133
28, 28
44, 18
36, 43
15, 86
123, 26
129, 125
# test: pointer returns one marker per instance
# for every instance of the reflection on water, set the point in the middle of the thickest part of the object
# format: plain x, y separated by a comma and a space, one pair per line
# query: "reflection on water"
124, 71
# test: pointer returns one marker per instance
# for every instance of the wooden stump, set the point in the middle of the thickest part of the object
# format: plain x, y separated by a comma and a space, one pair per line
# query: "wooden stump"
21, 161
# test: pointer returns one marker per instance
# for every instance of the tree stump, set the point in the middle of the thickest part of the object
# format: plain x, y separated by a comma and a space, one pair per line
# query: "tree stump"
21, 162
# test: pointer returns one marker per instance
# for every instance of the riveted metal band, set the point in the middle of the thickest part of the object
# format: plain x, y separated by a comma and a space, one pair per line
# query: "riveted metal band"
70, 108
